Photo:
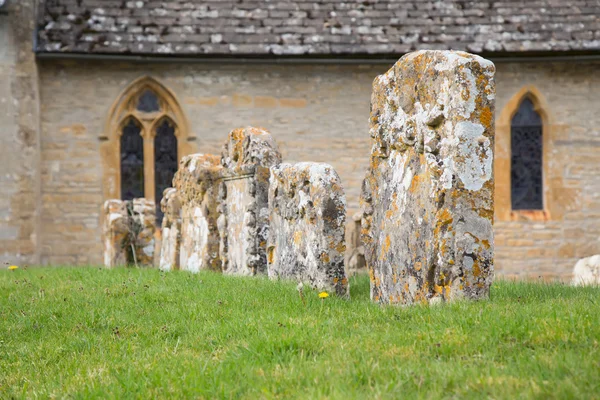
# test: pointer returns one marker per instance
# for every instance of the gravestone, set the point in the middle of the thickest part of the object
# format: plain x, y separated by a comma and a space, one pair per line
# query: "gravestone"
243, 221
171, 230
427, 197
307, 226
129, 229
196, 183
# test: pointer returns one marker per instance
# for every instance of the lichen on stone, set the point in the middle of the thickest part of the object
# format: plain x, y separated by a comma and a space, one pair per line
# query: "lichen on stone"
427, 198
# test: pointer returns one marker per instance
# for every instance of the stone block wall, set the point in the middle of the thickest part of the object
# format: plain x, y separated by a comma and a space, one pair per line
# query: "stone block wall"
307, 208
428, 194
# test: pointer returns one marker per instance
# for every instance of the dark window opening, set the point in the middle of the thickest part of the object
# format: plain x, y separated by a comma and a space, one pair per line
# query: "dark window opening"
148, 102
132, 161
165, 161
526, 158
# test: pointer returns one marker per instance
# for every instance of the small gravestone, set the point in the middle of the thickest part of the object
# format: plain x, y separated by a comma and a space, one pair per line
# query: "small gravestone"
243, 221
428, 194
307, 208
129, 229
171, 230
196, 183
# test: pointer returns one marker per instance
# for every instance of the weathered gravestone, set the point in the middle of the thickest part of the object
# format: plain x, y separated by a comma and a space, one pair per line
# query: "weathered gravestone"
243, 221
428, 194
129, 228
171, 230
307, 226
196, 183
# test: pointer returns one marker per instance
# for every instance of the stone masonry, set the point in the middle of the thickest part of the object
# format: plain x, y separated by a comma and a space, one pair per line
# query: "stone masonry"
243, 220
129, 229
306, 242
428, 193
197, 188
171, 230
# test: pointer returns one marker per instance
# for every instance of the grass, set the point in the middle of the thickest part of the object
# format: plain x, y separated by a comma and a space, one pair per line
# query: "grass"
134, 333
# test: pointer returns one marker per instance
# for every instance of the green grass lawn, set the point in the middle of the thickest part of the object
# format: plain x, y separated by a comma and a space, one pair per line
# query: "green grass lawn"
124, 333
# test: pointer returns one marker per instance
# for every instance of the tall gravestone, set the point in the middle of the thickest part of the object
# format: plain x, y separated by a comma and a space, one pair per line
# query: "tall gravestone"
171, 230
428, 194
196, 183
307, 226
243, 221
129, 229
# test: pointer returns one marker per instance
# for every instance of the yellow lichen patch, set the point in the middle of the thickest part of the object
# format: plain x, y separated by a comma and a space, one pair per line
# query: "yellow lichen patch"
476, 269
418, 265
324, 257
486, 117
341, 247
271, 255
297, 237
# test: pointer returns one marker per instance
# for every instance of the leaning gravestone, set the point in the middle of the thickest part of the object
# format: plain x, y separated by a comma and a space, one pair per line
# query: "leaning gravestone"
171, 230
307, 226
196, 183
428, 194
129, 228
243, 221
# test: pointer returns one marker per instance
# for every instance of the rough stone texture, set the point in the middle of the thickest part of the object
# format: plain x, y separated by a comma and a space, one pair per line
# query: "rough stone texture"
171, 230
428, 193
116, 233
355, 258
197, 187
322, 27
243, 221
307, 208
129, 230
587, 271
20, 225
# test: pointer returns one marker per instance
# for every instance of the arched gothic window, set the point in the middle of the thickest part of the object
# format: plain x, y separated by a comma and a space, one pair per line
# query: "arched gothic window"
526, 158
146, 135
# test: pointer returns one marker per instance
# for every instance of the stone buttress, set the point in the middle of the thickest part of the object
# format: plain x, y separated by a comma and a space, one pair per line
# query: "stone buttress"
307, 226
427, 197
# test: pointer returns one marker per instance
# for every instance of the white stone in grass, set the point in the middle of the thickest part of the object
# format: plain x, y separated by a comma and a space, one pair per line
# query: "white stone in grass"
587, 271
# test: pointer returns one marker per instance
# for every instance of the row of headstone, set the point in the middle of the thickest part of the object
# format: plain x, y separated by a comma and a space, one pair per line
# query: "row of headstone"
246, 213
427, 199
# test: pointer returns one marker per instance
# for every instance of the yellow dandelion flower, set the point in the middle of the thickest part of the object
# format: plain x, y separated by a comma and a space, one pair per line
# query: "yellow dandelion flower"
13, 267
323, 295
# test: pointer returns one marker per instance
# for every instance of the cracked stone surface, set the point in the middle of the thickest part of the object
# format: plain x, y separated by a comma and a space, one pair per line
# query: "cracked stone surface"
307, 226
428, 193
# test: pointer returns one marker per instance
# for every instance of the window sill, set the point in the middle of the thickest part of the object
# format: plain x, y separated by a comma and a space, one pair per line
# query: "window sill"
529, 215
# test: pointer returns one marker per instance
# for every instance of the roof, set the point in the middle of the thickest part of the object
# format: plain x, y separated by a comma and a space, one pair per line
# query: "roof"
316, 28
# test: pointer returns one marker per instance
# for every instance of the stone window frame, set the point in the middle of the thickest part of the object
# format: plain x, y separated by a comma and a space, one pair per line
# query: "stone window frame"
502, 160
125, 107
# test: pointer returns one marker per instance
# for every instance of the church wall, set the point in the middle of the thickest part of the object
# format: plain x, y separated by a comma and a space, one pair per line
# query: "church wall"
316, 113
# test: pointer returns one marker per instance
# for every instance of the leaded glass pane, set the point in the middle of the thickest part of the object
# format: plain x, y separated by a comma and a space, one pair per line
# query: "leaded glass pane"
165, 161
148, 102
526, 158
132, 161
